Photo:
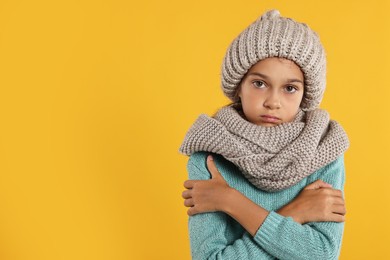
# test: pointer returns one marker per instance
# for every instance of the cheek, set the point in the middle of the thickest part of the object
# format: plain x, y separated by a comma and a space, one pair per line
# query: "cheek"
250, 95
292, 105
252, 102
295, 101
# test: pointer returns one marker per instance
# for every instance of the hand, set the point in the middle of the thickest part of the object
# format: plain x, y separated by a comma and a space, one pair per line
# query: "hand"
318, 201
205, 195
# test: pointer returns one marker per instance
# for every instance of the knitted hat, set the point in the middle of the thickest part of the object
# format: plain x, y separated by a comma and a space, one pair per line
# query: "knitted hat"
274, 36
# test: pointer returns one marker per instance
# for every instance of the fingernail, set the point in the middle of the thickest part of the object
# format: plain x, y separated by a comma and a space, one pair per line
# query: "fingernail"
210, 158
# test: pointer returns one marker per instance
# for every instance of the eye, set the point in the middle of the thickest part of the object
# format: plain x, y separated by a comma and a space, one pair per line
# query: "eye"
291, 89
258, 84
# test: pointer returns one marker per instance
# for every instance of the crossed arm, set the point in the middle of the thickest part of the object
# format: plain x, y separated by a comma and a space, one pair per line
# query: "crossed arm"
309, 227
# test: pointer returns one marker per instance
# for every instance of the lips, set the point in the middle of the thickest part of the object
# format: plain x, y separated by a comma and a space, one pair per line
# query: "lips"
270, 119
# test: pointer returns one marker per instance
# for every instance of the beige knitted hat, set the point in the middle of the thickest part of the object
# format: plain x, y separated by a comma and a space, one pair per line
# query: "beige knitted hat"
274, 36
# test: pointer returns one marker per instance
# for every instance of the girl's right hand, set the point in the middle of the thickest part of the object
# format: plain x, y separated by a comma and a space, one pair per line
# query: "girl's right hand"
316, 202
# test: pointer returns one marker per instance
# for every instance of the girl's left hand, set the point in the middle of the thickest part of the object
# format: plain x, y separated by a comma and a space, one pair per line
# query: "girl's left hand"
206, 195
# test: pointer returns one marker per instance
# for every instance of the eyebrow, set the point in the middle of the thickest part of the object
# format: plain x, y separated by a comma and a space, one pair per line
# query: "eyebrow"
267, 78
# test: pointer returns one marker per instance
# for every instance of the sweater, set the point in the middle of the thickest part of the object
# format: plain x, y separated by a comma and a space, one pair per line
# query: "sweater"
215, 235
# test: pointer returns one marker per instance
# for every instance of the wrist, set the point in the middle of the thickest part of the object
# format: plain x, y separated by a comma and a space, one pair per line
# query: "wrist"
228, 199
246, 212
287, 211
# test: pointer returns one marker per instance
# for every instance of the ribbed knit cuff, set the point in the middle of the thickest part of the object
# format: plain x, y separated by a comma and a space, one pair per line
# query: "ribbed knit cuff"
270, 227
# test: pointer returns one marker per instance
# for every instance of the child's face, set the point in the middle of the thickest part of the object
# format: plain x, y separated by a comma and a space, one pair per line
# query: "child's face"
272, 91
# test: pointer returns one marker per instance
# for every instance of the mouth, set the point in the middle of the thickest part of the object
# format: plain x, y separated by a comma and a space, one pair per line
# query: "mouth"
270, 119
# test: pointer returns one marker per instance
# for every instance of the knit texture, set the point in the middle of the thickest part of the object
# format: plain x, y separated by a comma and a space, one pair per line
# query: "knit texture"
272, 158
274, 36
215, 235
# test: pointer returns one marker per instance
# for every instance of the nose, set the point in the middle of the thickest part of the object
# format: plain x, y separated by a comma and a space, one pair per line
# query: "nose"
272, 100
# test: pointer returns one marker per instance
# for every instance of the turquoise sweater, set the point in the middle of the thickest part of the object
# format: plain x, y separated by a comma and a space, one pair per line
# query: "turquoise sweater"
216, 235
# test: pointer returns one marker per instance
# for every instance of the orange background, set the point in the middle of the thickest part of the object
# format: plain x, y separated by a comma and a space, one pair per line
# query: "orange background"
96, 97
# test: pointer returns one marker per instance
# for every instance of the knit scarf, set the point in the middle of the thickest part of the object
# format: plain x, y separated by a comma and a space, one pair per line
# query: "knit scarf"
271, 158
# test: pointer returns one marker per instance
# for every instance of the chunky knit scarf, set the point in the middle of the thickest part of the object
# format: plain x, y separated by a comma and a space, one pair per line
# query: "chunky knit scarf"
271, 158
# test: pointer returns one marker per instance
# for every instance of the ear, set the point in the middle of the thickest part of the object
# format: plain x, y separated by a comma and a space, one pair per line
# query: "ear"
238, 91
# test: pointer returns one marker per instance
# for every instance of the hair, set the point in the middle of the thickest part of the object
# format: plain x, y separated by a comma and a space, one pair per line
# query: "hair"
237, 103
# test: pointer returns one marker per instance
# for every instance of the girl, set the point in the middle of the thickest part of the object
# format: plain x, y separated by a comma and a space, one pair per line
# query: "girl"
277, 167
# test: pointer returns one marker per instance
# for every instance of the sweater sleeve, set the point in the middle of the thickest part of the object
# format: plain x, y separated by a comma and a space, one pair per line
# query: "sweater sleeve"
286, 239
211, 233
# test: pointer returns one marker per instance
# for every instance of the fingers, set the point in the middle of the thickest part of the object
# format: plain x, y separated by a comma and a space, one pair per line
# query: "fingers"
189, 202
339, 209
330, 196
338, 201
338, 193
334, 192
318, 184
337, 218
189, 184
191, 211
212, 167
326, 186
186, 194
